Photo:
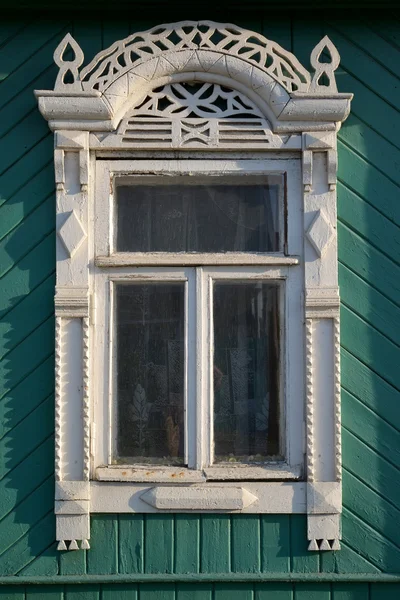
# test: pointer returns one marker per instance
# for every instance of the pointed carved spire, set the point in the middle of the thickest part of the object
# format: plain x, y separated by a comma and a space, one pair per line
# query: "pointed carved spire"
324, 70
68, 76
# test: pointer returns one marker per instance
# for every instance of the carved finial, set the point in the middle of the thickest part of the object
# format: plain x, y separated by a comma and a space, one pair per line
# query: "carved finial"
324, 70
68, 75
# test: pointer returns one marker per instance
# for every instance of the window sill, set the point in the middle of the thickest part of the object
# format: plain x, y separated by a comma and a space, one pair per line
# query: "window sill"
150, 474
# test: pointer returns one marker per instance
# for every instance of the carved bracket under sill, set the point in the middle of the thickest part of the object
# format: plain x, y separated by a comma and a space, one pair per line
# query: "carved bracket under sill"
212, 499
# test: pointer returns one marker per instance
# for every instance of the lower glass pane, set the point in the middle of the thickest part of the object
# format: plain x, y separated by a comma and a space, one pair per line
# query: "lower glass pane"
150, 373
246, 372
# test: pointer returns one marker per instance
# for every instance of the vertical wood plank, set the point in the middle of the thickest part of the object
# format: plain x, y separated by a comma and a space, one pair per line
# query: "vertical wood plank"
273, 591
233, 591
194, 591
384, 591
102, 556
72, 563
187, 544
82, 592
12, 592
275, 543
161, 591
302, 561
245, 543
130, 543
215, 552
120, 591
312, 591
43, 592
158, 535
355, 591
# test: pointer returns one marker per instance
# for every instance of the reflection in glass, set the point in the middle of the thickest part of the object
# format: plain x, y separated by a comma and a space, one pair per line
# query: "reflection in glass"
150, 372
244, 216
246, 371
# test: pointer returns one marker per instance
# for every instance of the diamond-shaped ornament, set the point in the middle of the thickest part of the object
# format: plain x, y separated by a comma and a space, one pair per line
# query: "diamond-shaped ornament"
72, 234
320, 233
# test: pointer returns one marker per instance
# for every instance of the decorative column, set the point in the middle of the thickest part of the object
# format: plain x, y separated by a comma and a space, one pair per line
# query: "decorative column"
322, 342
72, 427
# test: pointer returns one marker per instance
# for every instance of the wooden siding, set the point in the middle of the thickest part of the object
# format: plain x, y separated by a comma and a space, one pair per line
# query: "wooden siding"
369, 253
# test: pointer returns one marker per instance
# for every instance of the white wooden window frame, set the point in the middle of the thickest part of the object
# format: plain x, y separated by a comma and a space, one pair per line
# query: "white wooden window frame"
293, 117
280, 267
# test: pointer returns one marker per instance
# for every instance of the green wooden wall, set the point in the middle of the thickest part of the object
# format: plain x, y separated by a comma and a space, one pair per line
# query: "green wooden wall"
217, 548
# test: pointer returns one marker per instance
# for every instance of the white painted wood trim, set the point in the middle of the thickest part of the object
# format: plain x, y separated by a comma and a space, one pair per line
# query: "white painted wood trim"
222, 472
273, 497
227, 258
286, 106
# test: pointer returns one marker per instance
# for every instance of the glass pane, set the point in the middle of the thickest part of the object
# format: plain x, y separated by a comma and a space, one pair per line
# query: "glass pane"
150, 373
246, 371
222, 215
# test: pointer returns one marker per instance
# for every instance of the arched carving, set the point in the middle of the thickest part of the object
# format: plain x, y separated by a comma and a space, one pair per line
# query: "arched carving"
225, 39
193, 114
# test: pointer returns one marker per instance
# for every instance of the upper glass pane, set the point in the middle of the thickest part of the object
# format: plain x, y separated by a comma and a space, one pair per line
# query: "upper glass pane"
198, 214
150, 373
246, 372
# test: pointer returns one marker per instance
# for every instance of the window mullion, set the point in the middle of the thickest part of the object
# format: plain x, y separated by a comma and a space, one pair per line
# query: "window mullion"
191, 419
202, 408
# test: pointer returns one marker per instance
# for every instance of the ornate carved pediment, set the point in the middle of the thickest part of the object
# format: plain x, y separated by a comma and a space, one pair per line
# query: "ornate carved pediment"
122, 76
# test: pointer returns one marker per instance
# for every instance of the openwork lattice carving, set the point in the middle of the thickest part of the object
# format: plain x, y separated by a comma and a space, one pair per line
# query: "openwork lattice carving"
196, 100
195, 114
189, 35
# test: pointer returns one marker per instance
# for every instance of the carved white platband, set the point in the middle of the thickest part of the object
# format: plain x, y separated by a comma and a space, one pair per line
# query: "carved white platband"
194, 86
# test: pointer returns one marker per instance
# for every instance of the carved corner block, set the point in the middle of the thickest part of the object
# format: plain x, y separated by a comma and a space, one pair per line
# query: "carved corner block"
72, 509
71, 529
324, 532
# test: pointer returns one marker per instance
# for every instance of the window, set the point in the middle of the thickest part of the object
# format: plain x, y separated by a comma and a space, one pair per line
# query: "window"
197, 308
200, 287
